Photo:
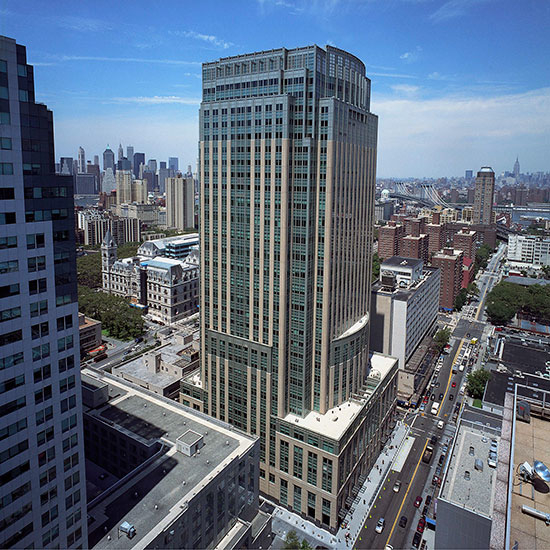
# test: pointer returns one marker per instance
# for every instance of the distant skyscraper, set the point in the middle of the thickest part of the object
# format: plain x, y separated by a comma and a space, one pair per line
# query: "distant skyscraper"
469, 174
81, 161
286, 222
108, 182
483, 198
130, 154
173, 163
163, 174
516, 168
152, 166
66, 166
120, 152
42, 472
189, 171
109, 160
139, 159
96, 160
180, 203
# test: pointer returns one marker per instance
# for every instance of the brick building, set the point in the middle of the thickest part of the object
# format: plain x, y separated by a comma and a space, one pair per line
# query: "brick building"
466, 241
389, 238
449, 261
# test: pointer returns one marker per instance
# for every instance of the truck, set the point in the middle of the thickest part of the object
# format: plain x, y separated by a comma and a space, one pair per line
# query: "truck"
427, 456
435, 407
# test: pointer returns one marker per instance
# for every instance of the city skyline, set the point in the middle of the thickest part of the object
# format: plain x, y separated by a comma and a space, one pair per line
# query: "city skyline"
449, 98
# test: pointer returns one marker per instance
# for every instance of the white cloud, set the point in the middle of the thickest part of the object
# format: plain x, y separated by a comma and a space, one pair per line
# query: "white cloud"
82, 24
156, 100
127, 60
208, 38
444, 136
411, 56
452, 9
405, 89
391, 75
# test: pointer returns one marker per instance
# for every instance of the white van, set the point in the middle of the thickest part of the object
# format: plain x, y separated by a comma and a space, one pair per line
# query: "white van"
440, 425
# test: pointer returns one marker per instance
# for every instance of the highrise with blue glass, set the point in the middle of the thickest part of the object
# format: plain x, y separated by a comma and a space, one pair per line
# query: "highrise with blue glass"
287, 161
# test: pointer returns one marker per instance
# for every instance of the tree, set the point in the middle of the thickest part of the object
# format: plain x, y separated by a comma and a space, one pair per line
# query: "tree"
473, 290
115, 313
305, 545
88, 270
292, 542
546, 271
375, 266
476, 382
441, 338
461, 299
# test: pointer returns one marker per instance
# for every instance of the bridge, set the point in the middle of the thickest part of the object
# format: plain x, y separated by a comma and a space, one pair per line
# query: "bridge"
428, 195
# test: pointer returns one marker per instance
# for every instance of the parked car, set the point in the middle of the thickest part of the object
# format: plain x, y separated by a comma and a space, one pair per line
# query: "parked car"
418, 501
451, 397
397, 486
428, 500
440, 397
380, 525
416, 540
421, 525
403, 521
453, 385
433, 439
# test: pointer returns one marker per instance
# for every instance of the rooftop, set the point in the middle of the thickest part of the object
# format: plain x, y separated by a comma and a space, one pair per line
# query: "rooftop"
337, 420
400, 261
526, 281
464, 485
525, 357
503, 382
157, 491
137, 369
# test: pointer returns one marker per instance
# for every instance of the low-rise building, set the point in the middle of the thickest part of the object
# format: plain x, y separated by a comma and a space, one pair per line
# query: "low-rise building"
168, 288
178, 247
164, 476
529, 251
90, 333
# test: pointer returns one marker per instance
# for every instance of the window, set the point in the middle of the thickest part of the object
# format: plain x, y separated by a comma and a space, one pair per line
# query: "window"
9, 267
46, 456
6, 168
3, 66
5, 144
62, 300
12, 383
7, 218
72, 480
8, 242
44, 415
21, 70
39, 308
41, 352
9, 314
11, 337
23, 95
5, 119
13, 451
12, 406
66, 363
37, 263
40, 330
38, 286
7, 193
67, 384
35, 241
43, 394
12, 429
45, 436
65, 343
68, 403
64, 323
11, 360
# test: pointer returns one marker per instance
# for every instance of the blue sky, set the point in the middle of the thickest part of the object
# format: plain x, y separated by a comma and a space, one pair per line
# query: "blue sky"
457, 84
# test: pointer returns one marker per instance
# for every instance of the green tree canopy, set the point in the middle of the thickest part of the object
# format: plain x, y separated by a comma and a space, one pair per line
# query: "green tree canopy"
476, 382
441, 338
375, 266
461, 299
292, 542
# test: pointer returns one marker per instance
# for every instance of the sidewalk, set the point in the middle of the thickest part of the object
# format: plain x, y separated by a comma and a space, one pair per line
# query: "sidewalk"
284, 520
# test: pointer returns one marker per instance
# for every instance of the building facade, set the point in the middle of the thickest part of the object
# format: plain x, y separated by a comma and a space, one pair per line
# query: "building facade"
483, 198
404, 306
389, 239
42, 488
287, 159
180, 203
449, 261
531, 250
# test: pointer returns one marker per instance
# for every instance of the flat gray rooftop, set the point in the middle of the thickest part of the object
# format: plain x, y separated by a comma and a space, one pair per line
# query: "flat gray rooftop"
158, 489
400, 261
137, 369
463, 485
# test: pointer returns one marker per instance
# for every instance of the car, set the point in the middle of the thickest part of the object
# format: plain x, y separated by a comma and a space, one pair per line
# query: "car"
416, 539
425, 400
432, 397
433, 439
403, 521
445, 449
451, 397
397, 486
440, 397
494, 445
441, 459
422, 407
453, 385
436, 481
428, 500
425, 510
437, 384
380, 525
418, 501
421, 525
440, 425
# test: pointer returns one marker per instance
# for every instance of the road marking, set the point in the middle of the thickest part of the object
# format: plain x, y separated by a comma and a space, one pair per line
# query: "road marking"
450, 376
407, 492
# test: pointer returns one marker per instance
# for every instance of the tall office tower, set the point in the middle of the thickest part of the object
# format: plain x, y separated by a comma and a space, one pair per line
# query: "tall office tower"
108, 181
516, 168
130, 155
173, 163
120, 152
81, 161
66, 166
483, 198
139, 159
96, 160
123, 186
469, 174
152, 166
287, 173
42, 488
189, 171
164, 173
109, 160
180, 202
